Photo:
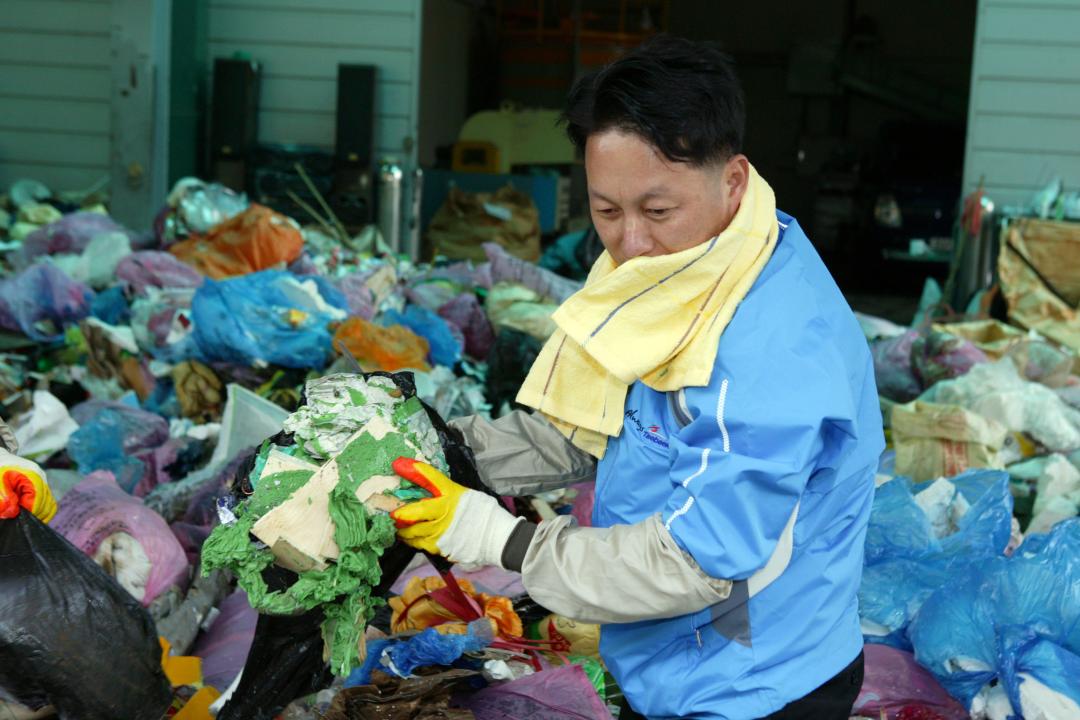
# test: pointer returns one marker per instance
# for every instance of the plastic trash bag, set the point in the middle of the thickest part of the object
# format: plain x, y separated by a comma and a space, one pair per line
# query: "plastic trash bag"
996, 390
118, 439
266, 317
562, 693
128, 539
444, 342
256, 239
508, 363
153, 268
896, 379
401, 657
516, 307
431, 293
70, 234
200, 206
937, 356
70, 637
509, 269
893, 681
467, 315
224, 646
1041, 362
359, 295
451, 395
111, 306
96, 265
382, 348
1014, 620
46, 428
906, 560
41, 300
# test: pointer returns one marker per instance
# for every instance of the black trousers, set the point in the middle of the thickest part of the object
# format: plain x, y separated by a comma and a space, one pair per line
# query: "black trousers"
831, 701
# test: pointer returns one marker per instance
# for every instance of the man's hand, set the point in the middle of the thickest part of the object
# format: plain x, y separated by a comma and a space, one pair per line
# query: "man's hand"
23, 487
463, 525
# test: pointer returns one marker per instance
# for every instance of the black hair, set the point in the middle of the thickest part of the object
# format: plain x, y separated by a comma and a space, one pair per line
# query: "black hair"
680, 96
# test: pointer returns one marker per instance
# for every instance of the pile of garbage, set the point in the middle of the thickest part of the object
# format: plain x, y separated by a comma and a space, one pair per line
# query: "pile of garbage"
215, 403
970, 599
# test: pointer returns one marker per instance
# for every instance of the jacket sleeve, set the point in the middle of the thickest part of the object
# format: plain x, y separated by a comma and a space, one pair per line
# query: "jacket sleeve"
523, 454
624, 573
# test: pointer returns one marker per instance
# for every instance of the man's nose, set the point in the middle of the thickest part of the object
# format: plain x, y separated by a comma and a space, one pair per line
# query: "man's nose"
635, 239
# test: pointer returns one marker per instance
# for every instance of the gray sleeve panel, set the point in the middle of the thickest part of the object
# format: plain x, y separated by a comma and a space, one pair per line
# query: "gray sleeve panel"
7, 439
620, 574
523, 454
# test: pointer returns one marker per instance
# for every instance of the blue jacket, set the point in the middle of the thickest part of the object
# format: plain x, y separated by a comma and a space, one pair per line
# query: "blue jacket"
764, 477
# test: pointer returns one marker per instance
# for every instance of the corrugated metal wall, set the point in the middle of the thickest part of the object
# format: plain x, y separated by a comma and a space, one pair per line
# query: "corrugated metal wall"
54, 91
55, 76
1024, 116
301, 42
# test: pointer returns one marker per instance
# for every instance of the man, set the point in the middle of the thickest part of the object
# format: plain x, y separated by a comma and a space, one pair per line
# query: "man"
713, 368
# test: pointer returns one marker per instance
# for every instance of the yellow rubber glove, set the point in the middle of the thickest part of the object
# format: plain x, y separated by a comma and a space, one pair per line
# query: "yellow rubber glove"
463, 525
23, 487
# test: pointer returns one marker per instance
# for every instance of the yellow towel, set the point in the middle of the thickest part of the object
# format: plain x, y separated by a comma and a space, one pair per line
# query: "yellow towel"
654, 319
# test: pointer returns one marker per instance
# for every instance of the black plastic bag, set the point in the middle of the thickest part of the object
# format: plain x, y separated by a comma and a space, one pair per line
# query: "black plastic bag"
508, 363
70, 636
285, 661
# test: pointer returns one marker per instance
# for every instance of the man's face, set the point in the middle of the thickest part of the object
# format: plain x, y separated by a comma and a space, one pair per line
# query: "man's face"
642, 204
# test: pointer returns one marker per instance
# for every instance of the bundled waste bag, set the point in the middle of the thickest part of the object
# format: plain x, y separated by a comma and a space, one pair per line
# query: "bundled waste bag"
267, 317
256, 239
1011, 621
467, 314
41, 301
71, 637
920, 535
129, 540
468, 220
934, 440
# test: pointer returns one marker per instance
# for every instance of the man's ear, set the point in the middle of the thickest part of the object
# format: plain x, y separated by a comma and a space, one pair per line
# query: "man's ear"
736, 178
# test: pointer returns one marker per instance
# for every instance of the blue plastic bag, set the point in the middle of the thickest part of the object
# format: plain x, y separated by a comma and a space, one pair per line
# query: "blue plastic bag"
111, 440
446, 343
430, 647
1015, 620
267, 317
906, 562
111, 306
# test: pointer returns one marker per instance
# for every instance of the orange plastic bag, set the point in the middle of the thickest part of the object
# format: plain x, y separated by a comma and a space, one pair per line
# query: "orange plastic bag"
256, 239
382, 348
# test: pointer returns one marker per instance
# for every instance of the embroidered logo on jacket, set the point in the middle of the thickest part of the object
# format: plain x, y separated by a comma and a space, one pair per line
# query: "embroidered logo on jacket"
650, 433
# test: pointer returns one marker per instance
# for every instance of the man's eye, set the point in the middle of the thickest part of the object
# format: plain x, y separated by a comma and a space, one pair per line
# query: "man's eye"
606, 212
658, 212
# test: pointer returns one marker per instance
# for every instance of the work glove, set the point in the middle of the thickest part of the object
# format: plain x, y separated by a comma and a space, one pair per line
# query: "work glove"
462, 525
23, 487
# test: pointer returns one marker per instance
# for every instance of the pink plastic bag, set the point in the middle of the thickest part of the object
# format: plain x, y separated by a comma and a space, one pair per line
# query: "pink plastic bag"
583, 503
893, 681
153, 268
491, 580
224, 647
557, 694
97, 508
70, 234
466, 314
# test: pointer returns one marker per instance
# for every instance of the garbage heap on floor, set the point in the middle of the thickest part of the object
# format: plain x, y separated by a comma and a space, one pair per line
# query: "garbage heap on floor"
216, 402
970, 598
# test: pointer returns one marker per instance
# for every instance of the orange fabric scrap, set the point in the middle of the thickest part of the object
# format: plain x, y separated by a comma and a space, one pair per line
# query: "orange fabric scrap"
415, 609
